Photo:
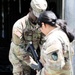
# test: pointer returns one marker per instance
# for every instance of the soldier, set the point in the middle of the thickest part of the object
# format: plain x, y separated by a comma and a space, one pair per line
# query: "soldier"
56, 50
25, 30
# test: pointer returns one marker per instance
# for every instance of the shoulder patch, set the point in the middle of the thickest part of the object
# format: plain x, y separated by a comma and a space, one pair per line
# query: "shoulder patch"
54, 56
17, 32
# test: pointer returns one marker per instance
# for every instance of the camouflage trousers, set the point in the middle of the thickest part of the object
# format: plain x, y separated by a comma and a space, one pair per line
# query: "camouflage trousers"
21, 73
21, 70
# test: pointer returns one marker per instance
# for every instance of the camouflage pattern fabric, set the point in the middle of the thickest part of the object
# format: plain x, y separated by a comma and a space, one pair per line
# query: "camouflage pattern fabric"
56, 54
17, 53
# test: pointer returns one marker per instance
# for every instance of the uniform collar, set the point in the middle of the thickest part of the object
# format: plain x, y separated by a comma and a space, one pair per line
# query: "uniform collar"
51, 33
31, 26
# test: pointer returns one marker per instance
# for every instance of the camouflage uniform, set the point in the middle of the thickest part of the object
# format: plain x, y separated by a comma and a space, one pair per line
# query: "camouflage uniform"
17, 53
56, 54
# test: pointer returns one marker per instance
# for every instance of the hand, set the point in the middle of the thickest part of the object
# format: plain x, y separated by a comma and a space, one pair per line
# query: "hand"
26, 57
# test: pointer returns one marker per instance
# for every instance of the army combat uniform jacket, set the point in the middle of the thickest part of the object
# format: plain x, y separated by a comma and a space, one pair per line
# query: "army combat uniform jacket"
56, 54
22, 33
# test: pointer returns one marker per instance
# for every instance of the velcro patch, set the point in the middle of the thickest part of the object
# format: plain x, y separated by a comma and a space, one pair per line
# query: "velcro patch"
17, 32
